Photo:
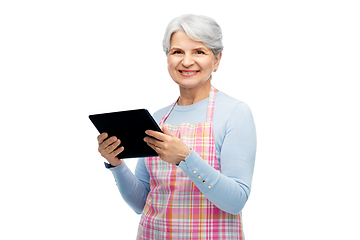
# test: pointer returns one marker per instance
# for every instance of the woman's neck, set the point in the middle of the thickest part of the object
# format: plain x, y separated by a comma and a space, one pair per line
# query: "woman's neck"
189, 96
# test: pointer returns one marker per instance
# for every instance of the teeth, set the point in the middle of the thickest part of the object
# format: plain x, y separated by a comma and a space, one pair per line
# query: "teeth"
188, 72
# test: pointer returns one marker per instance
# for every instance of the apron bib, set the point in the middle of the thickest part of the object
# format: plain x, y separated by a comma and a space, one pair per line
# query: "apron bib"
175, 208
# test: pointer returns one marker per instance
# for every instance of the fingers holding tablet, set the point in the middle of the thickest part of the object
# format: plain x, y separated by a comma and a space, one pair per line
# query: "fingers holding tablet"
130, 127
102, 137
108, 148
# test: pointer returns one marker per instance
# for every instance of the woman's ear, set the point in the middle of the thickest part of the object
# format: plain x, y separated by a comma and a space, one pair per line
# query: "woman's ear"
217, 61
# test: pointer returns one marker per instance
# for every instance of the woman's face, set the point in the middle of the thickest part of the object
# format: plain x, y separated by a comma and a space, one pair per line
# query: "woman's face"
190, 63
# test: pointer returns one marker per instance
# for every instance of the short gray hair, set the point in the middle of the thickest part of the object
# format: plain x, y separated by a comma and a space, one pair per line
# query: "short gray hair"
199, 28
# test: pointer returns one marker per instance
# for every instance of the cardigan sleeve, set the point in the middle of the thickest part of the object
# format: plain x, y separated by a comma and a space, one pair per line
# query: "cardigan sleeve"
133, 190
228, 189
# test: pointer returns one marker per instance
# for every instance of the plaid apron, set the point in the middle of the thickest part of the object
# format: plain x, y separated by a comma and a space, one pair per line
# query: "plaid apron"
175, 208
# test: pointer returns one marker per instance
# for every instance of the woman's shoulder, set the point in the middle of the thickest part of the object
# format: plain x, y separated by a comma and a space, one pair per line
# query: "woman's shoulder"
231, 113
229, 104
159, 114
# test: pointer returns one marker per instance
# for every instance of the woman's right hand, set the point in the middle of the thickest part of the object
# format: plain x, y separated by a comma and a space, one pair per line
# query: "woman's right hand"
107, 148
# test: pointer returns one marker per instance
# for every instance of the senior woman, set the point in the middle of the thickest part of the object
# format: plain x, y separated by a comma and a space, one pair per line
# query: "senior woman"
201, 180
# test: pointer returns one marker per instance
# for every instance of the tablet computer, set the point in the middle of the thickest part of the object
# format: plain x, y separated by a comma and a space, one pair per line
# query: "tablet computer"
129, 127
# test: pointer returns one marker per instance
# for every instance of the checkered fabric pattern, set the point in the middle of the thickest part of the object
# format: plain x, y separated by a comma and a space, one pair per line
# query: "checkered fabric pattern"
175, 207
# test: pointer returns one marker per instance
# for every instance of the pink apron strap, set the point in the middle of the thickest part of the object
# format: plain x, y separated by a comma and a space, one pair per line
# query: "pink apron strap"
211, 104
168, 112
210, 109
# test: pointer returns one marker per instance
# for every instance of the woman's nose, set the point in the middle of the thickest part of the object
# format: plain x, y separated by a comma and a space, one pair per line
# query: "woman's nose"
187, 60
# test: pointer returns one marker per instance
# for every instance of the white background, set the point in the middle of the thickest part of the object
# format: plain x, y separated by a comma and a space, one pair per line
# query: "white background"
295, 63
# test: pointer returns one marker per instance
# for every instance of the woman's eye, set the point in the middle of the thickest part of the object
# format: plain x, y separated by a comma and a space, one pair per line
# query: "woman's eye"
199, 52
177, 52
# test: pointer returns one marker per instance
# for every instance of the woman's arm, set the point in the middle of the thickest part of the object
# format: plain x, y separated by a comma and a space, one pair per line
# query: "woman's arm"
230, 189
133, 190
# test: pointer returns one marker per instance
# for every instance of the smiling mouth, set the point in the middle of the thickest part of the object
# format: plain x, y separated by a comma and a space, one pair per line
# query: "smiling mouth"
188, 73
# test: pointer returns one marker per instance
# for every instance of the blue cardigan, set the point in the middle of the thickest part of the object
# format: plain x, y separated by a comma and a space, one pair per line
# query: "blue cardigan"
235, 140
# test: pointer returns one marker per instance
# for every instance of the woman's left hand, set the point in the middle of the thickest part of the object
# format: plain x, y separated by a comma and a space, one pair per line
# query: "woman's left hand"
169, 147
